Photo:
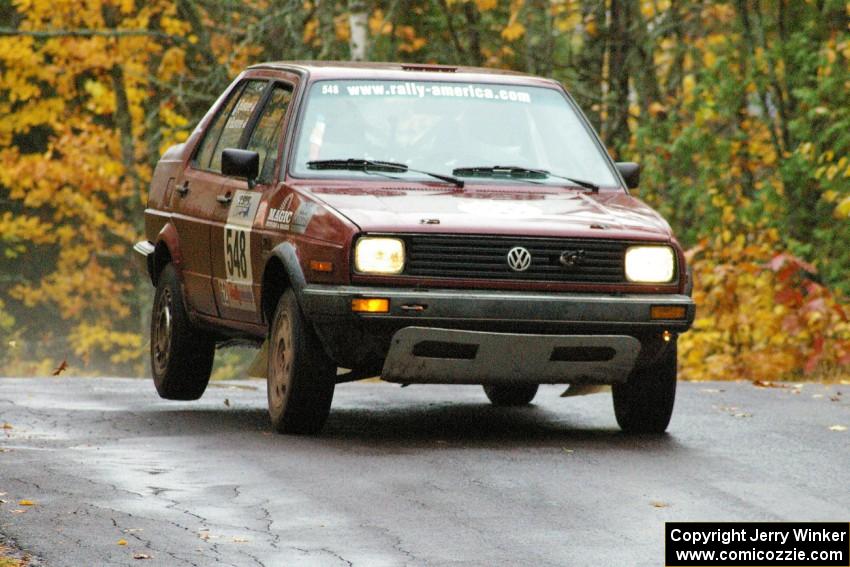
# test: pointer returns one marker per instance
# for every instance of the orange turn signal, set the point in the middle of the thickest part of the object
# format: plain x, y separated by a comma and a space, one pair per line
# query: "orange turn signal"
667, 312
370, 305
319, 266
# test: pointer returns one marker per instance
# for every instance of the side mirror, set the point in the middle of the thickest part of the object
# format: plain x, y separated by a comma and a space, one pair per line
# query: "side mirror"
241, 163
630, 172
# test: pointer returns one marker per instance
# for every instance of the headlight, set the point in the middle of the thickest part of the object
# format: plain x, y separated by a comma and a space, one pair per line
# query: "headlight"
379, 255
650, 264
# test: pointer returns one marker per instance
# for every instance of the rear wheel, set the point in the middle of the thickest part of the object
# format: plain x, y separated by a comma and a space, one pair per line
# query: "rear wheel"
644, 404
511, 394
181, 355
300, 374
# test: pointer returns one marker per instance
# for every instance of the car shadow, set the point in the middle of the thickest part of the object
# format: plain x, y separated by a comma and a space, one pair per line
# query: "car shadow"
459, 424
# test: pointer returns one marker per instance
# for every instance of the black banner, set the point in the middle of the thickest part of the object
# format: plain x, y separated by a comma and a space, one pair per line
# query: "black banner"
757, 544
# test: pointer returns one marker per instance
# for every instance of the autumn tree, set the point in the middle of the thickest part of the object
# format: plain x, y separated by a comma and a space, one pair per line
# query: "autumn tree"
739, 111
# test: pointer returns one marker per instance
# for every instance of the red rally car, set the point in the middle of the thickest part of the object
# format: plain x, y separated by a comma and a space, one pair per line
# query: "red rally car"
423, 223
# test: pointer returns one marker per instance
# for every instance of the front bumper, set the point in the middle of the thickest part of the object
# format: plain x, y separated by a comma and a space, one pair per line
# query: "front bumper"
329, 301
514, 335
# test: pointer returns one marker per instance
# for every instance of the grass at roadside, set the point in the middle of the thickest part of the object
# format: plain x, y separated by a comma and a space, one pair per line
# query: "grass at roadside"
8, 558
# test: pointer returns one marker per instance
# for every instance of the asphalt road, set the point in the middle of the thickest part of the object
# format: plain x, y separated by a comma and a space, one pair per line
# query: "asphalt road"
425, 475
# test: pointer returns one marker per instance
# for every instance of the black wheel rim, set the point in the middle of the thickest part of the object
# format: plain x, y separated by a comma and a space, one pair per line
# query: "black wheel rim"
161, 340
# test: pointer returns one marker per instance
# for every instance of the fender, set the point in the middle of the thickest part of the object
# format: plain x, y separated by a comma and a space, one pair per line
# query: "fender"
281, 272
169, 238
287, 253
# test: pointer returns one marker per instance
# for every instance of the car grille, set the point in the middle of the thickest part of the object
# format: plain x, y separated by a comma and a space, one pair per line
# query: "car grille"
486, 257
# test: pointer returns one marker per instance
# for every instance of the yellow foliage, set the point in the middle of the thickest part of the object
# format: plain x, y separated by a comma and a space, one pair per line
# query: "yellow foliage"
378, 24
759, 315
513, 31
485, 5
309, 34
843, 208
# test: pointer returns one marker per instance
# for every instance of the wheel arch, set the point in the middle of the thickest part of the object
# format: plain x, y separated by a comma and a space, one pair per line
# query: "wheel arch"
166, 250
282, 272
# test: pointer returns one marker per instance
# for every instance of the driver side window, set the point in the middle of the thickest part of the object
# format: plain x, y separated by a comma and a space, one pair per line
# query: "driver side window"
266, 137
228, 125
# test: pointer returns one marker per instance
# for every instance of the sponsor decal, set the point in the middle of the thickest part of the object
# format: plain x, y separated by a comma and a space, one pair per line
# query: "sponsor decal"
236, 295
422, 90
303, 216
281, 217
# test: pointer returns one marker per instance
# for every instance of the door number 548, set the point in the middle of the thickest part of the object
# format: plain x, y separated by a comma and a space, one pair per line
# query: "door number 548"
236, 252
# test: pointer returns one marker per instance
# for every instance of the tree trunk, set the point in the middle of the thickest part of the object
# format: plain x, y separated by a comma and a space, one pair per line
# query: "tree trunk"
358, 21
618, 75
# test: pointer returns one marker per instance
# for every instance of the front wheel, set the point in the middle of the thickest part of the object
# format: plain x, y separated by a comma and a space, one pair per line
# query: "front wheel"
644, 403
300, 374
510, 394
181, 355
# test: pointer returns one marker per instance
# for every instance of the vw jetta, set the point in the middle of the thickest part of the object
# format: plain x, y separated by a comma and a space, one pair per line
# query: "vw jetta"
428, 224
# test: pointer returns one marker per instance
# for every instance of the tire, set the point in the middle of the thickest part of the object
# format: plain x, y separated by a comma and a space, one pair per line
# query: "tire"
511, 394
181, 354
300, 384
644, 404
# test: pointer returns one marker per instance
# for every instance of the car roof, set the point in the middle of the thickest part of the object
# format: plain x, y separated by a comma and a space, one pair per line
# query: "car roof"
319, 70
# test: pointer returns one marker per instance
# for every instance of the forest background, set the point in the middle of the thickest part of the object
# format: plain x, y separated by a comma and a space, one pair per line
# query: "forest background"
739, 112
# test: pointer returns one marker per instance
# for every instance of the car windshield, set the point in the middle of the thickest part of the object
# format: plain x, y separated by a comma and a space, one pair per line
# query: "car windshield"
449, 129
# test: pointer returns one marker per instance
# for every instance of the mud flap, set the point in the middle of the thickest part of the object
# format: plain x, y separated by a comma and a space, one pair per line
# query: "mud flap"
585, 390
260, 366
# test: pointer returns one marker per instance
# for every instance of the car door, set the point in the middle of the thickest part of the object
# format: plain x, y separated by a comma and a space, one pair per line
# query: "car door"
195, 198
236, 253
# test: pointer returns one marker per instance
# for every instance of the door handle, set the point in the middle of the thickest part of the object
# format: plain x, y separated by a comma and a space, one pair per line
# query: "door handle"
224, 199
183, 189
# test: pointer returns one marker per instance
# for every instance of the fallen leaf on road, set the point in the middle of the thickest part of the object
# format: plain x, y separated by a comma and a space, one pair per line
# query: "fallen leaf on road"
767, 384
657, 504
838, 428
7, 425
734, 411
835, 398
122, 542
63, 366
240, 540
26, 503
18, 511
141, 556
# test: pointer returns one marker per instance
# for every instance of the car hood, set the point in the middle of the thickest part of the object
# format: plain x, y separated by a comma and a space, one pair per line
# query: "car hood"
548, 211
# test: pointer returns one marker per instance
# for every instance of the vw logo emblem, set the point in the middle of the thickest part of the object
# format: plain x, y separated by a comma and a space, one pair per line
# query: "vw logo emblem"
519, 259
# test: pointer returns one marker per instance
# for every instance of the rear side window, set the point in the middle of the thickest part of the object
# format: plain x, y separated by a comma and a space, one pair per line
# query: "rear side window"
266, 135
228, 125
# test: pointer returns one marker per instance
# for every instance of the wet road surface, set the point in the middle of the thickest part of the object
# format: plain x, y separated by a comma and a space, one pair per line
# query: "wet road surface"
425, 475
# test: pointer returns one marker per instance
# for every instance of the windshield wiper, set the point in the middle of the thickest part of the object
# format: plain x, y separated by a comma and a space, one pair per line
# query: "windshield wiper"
376, 166
515, 172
